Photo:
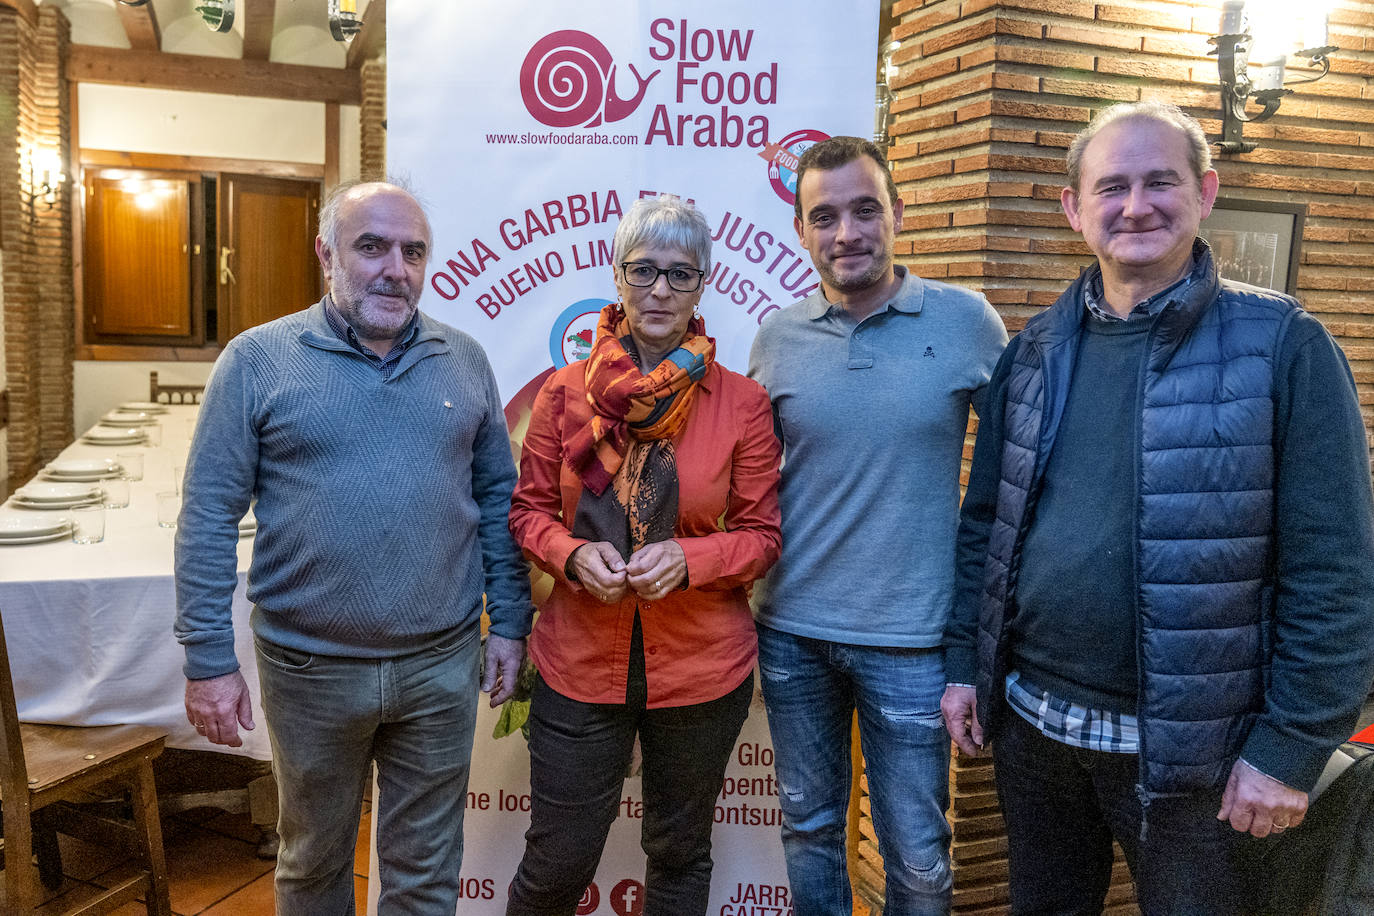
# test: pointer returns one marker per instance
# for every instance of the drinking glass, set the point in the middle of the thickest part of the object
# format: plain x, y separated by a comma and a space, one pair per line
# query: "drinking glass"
154, 435
178, 474
168, 508
116, 492
88, 524
132, 463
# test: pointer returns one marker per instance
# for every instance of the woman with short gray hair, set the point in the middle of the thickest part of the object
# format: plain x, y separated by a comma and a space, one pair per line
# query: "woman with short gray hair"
648, 490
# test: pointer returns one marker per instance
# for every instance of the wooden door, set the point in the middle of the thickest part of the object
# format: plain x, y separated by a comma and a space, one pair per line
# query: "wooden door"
266, 265
141, 271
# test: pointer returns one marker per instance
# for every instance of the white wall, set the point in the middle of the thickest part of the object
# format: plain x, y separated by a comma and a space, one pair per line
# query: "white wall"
350, 142
100, 386
199, 124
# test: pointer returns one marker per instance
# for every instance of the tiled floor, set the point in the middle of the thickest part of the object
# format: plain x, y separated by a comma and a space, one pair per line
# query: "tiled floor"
211, 862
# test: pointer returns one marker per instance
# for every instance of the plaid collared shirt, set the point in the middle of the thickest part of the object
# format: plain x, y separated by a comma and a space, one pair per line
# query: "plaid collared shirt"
1071, 724
383, 364
1092, 298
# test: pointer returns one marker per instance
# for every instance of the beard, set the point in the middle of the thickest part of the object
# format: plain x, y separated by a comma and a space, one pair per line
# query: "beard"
854, 283
369, 320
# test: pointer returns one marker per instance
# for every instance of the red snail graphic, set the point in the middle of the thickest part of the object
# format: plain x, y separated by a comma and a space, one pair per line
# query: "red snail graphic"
568, 80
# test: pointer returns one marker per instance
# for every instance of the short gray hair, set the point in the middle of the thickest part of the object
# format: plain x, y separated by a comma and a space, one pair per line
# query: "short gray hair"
664, 221
333, 203
1199, 152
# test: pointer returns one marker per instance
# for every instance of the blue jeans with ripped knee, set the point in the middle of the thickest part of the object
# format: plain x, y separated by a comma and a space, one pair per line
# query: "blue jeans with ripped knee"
811, 688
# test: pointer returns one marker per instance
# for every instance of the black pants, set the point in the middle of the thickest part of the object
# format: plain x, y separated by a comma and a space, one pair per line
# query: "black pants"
578, 755
1064, 805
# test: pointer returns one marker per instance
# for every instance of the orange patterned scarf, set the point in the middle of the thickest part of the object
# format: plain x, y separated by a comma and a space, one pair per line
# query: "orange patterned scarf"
628, 404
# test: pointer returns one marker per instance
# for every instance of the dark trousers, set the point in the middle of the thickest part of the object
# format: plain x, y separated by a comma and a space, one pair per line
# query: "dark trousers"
578, 755
1063, 806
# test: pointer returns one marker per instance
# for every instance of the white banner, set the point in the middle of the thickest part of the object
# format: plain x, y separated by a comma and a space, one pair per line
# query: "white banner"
528, 127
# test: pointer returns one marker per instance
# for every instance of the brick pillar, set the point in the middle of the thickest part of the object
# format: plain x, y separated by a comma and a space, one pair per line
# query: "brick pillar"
54, 306
373, 118
11, 216
35, 242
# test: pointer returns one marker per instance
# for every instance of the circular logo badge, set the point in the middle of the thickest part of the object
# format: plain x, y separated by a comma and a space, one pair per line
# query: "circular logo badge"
627, 898
782, 165
591, 899
574, 330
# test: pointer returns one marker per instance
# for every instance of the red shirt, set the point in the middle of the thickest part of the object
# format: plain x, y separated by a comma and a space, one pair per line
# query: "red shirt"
699, 642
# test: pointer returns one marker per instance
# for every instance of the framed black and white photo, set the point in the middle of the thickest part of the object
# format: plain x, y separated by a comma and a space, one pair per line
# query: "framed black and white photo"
1257, 241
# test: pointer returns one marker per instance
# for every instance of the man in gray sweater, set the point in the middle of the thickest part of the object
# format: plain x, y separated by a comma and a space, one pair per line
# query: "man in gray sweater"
374, 441
871, 379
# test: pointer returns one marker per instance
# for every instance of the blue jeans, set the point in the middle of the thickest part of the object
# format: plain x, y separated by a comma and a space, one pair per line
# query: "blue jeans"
1064, 805
812, 688
328, 719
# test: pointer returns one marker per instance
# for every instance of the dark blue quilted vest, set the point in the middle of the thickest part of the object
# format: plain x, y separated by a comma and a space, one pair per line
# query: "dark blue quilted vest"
1204, 515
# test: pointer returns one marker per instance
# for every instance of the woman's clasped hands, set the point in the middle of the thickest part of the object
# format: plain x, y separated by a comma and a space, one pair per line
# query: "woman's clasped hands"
652, 571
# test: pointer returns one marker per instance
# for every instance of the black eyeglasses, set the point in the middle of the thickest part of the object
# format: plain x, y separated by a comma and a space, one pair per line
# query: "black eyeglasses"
642, 275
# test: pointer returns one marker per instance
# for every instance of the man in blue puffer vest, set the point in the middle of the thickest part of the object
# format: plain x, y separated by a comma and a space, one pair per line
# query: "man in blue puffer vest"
1164, 622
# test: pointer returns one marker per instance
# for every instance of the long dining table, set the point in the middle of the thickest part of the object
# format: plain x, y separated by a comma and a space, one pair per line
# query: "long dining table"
89, 626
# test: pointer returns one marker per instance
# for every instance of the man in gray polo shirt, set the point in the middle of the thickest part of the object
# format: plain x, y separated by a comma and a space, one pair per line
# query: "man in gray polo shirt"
871, 380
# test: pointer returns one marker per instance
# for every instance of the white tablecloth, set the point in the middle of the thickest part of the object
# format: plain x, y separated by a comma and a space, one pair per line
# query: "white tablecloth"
89, 626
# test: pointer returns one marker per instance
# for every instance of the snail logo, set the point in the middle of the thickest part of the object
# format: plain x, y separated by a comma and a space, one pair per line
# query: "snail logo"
568, 80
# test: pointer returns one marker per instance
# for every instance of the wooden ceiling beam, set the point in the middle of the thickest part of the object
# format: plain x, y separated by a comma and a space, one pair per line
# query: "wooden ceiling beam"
140, 24
370, 41
27, 9
259, 20
227, 76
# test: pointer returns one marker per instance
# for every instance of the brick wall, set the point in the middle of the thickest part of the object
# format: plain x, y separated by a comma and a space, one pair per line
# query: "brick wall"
37, 289
989, 94
991, 91
372, 166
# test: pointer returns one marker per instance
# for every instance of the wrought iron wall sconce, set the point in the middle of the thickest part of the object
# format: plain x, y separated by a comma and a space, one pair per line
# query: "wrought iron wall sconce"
882, 101
1234, 47
45, 178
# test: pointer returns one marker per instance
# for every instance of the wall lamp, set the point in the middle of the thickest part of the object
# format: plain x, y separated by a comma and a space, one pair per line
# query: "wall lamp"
343, 19
1268, 31
217, 14
45, 177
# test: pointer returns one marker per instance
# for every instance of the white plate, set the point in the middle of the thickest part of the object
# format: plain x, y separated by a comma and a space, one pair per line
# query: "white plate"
56, 492
46, 507
110, 432
143, 406
81, 466
103, 440
116, 418
77, 478
36, 538
23, 524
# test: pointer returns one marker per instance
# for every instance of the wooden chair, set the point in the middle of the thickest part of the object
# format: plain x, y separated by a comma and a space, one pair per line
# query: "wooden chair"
176, 394
44, 769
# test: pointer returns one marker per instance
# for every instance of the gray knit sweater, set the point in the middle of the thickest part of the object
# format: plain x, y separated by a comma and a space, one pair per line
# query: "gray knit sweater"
381, 504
